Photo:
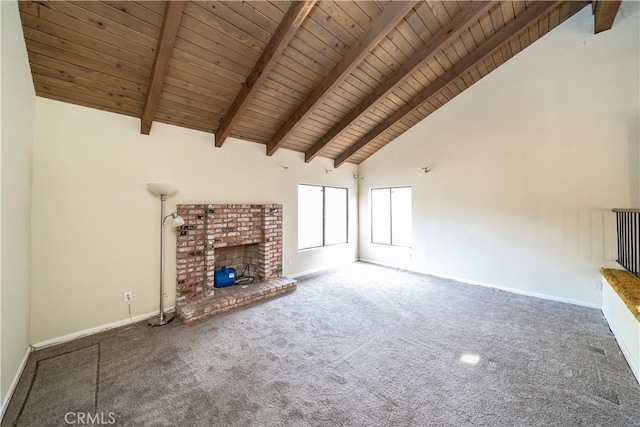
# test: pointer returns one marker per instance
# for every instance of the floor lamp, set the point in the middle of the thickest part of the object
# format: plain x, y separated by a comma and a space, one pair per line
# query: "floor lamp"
163, 190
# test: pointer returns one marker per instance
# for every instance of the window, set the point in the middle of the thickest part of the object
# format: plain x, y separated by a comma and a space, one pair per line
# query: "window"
322, 216
391, 216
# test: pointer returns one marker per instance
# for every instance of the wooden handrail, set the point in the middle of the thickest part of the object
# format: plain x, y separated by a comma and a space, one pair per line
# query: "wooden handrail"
636, 210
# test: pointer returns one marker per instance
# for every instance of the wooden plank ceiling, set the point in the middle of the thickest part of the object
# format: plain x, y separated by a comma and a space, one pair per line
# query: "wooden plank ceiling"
338, 79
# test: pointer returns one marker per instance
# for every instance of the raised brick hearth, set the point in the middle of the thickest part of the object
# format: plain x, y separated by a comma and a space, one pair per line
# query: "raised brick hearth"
233, 235
232, 297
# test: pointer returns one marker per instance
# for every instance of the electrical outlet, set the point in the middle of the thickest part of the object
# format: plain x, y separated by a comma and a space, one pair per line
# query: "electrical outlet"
128, 296
597, 285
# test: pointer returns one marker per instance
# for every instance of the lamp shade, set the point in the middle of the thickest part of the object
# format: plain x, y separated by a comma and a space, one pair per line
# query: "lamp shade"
162, 188
177, 221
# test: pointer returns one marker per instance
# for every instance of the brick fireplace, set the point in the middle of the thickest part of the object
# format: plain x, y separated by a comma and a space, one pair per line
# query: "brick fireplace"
231, 235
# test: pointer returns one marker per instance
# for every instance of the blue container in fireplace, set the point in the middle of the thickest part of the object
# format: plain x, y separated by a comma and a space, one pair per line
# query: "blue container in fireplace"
225, 277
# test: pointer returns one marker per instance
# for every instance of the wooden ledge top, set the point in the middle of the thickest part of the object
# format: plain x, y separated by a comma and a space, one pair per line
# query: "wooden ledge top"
627, 286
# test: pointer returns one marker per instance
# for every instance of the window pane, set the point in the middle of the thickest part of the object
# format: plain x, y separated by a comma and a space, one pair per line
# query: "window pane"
401, 216
381, 215
309, 216
335, 215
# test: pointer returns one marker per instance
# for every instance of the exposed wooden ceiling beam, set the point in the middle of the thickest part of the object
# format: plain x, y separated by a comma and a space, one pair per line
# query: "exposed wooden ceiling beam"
378, 30
501, 37
604, 14
292, 20
170, 24
460, 22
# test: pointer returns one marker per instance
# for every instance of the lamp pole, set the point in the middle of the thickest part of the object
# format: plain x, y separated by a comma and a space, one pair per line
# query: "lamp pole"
162, 318
163, 190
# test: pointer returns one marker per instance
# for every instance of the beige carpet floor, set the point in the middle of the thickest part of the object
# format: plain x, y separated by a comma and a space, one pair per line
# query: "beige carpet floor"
359, 346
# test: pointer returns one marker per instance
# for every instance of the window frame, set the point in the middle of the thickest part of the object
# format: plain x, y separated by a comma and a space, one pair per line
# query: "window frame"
324, 226
390, 215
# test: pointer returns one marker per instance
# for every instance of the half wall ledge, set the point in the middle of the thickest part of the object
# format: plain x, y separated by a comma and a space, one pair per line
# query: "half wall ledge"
621, 309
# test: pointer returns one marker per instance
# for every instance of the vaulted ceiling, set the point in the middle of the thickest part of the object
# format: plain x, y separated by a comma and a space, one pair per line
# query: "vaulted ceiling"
338, 79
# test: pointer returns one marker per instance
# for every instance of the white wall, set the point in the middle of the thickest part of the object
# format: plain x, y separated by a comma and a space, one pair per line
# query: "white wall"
17, 116
525, 166
96, 227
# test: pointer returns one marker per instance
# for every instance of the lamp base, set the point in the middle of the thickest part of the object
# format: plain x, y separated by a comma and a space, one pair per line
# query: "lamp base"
161, 320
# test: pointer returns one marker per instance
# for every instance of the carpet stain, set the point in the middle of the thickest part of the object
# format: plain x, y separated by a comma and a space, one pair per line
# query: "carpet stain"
595, 349
241, 403
295, 414
337, 378
240, 373
608, 394
210, 331
279, 386
284, 401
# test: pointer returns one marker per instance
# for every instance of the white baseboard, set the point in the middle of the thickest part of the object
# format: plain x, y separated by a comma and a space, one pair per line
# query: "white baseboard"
384, 264
14, 383
501, 288
95, 330
318, 270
